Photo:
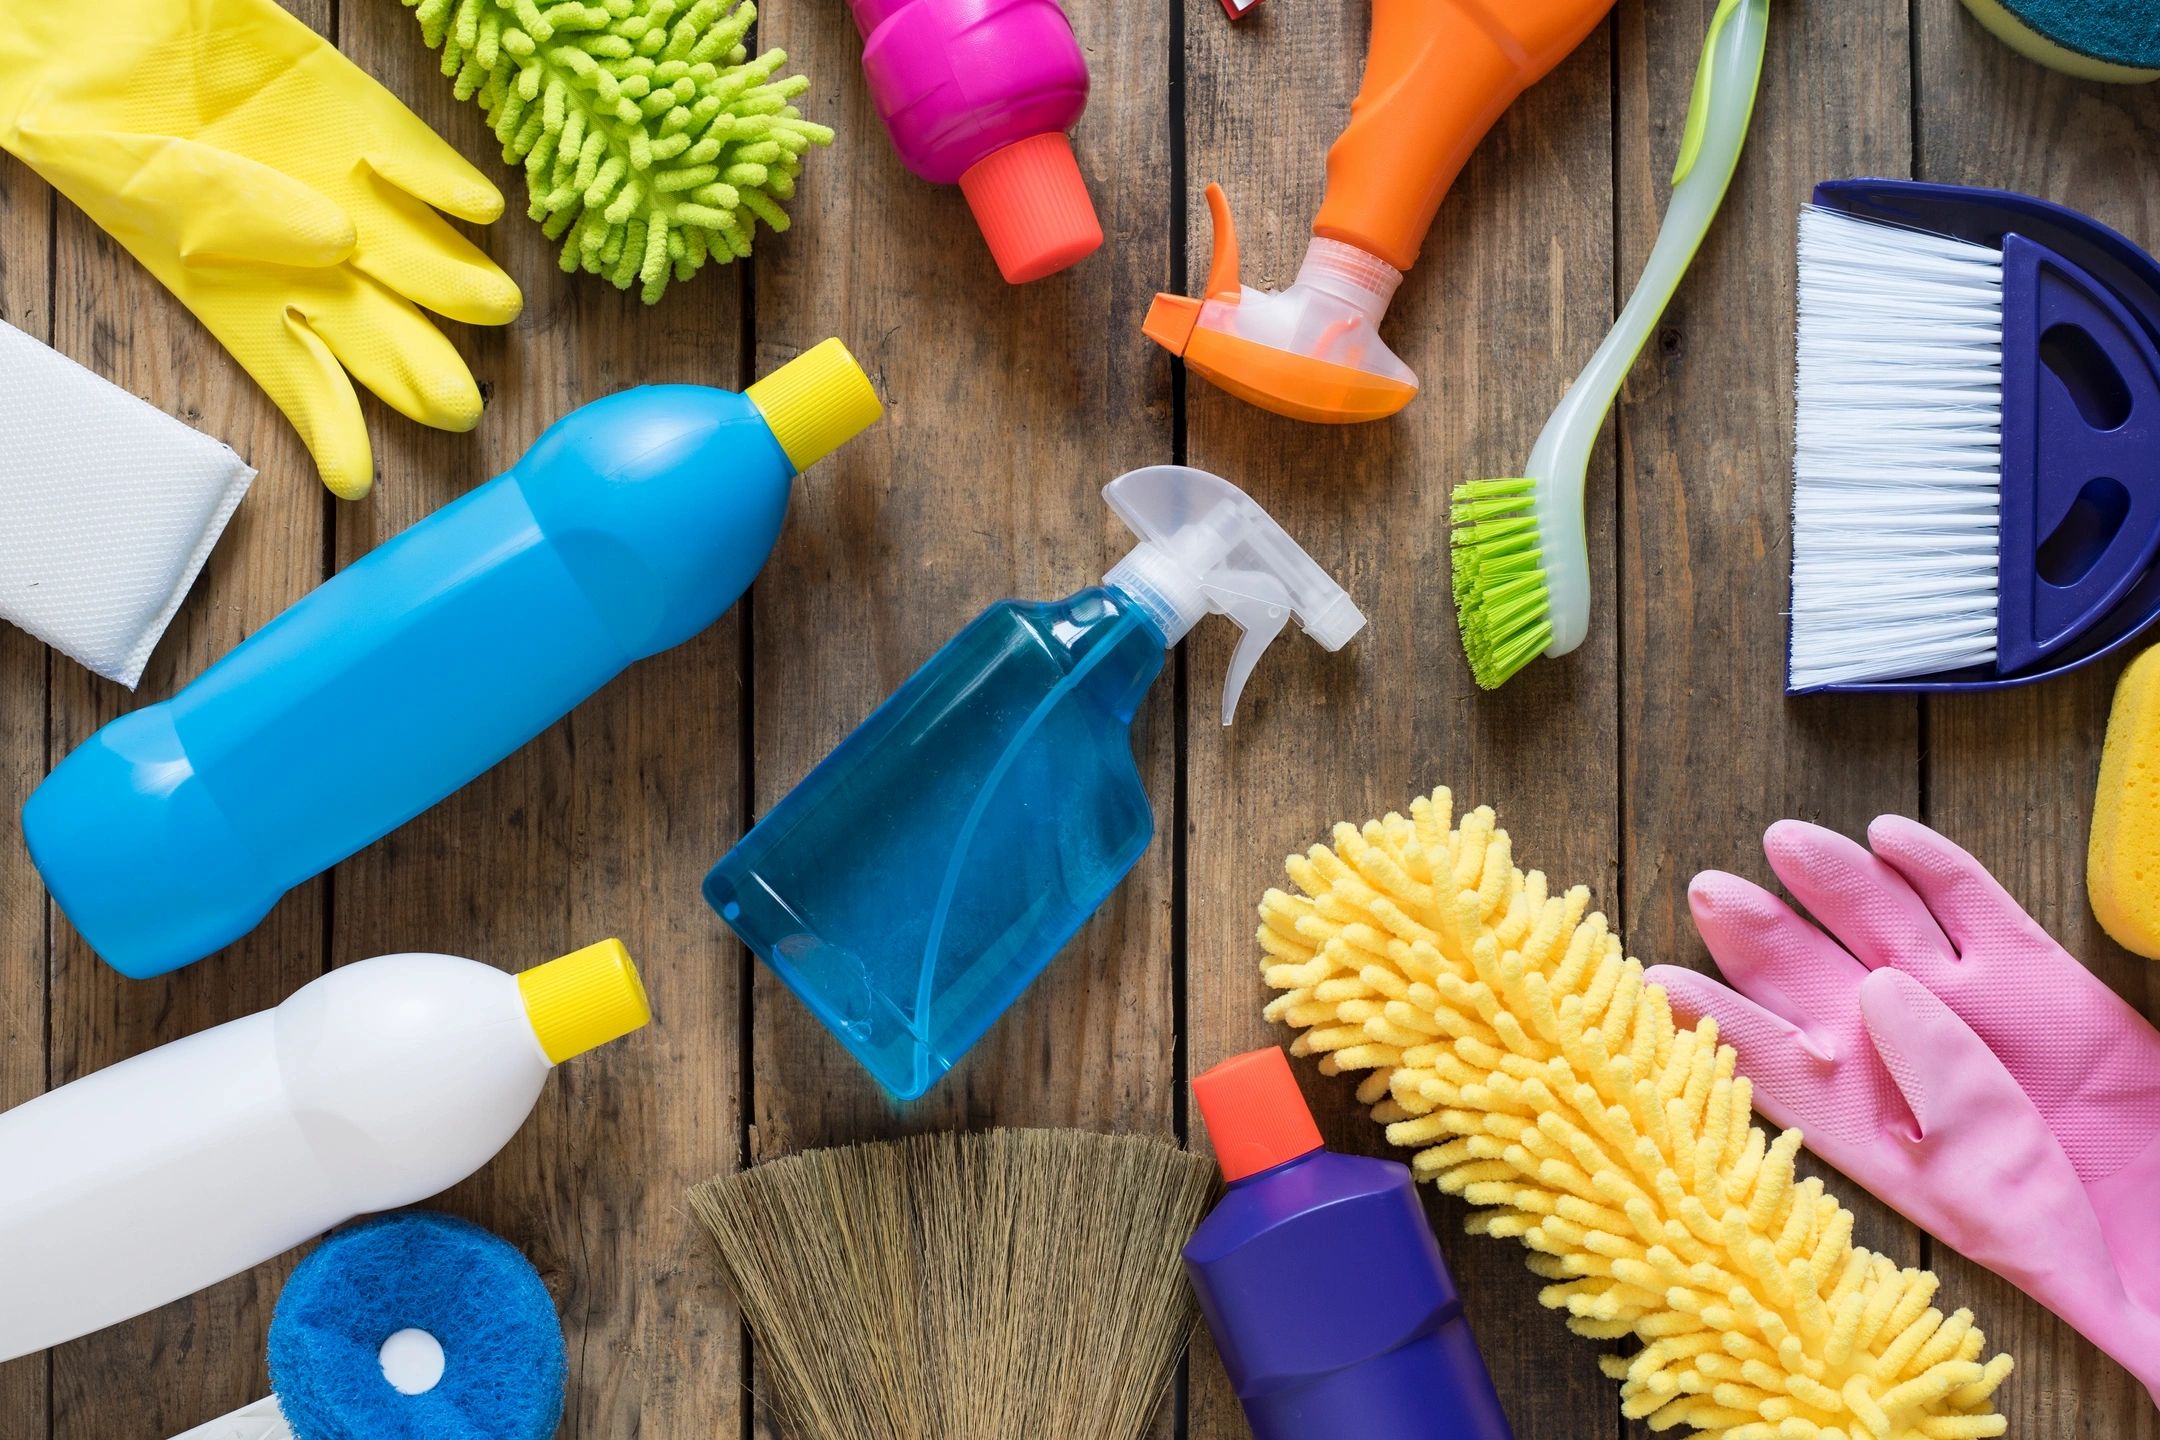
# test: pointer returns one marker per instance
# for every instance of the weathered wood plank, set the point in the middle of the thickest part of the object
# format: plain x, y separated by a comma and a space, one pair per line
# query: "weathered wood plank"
198, 1358
1511, 295
1714, 751
602, 826
2010, 776
1008, 408
26, 211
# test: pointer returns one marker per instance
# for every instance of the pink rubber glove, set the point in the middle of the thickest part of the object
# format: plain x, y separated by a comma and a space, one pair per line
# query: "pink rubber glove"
1945, 1053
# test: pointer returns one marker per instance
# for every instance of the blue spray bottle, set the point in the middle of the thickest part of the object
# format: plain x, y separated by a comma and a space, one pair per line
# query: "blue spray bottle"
929, 868
630, 526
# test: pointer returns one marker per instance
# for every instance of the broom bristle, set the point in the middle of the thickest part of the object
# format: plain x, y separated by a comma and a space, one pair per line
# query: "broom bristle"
971, 1287
1897, 461
1502, 604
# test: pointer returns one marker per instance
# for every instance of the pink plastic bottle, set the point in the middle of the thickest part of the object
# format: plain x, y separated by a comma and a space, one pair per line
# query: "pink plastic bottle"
980, 93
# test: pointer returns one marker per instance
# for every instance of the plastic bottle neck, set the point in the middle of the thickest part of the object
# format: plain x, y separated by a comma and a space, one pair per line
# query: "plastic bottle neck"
1282, 1167
1153, 580
1358, 278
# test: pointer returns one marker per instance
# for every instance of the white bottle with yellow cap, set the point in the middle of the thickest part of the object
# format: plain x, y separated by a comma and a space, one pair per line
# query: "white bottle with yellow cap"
378, 1085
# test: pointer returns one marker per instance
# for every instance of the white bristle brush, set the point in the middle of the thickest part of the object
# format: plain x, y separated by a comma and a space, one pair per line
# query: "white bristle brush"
1974, 484
1897, 460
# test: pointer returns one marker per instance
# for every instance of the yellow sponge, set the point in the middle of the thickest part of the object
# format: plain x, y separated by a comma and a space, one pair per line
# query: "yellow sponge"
2122, 864
1505, 1036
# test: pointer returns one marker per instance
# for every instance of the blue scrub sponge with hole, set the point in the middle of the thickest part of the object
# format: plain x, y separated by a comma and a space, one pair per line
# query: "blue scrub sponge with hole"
504, 1361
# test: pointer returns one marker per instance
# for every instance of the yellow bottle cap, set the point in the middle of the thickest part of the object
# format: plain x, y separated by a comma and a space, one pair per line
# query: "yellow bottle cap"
816, 403
584, 1000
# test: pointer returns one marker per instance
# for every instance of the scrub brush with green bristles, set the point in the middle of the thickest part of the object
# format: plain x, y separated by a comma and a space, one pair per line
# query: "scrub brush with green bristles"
1520, 556
651, 141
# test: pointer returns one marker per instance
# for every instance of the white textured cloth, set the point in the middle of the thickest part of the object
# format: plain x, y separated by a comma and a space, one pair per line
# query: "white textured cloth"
108, 509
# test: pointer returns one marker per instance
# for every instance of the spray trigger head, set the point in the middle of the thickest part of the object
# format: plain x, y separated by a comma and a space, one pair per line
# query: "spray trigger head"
1206, 548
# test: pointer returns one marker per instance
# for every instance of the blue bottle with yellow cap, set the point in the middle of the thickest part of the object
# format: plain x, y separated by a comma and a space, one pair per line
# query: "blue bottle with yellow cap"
631, 525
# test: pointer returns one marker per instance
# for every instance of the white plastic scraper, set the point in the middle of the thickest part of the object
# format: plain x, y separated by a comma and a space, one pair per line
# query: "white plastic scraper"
1208, 548
108, 509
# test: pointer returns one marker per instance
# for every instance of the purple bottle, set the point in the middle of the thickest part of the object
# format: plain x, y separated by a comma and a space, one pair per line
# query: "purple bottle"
1322, 1282
979, 94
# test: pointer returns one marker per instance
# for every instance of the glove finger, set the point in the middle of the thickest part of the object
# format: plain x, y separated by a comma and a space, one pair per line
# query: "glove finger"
415, 252
1988, 1176
392, 349
1794, 1082
1964, 898
215, 205
1856, 897
317, 396
1934, 1058
426, 166
1779, 960
1945, 1073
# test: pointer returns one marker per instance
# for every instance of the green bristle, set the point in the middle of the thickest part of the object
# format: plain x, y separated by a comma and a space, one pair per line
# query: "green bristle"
651, 141
1501, 600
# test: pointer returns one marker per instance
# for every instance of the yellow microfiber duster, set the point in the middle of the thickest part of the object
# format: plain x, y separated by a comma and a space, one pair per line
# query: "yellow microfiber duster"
1510, 1041
651, 140
2122, 864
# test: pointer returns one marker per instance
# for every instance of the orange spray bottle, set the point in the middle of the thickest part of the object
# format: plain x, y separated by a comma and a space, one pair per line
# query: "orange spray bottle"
1438, 73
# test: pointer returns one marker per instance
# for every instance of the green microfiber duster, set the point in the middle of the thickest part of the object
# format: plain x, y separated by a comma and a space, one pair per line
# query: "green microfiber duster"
651, 140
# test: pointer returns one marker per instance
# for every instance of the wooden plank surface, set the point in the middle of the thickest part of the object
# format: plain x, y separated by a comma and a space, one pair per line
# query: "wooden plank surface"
2010, 775
603, 826
1007, 410
1513, 291
205, 1352
26, 221
1714, 751
1662, 747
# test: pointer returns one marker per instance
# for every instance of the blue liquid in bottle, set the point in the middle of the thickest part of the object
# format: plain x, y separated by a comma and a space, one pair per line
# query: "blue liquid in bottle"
921, 877
924, 874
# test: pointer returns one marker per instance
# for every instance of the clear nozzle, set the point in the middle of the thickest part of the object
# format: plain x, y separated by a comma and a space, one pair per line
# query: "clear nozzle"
1331, 312
1207, 548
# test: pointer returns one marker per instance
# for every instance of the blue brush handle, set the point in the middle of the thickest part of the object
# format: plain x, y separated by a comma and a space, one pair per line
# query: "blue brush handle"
2078, 451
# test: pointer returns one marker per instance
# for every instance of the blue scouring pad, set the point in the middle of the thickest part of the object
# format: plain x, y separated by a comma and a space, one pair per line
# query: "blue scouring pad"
2116, 40
502, 1356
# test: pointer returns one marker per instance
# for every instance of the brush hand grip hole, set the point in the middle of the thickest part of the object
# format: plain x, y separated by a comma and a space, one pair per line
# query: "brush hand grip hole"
2095, 518
2080, 511
2096, 386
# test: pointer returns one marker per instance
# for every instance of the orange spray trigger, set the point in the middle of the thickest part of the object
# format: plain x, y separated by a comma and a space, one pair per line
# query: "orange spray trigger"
1222, 274
1438, 73
1312, 352
1171, 319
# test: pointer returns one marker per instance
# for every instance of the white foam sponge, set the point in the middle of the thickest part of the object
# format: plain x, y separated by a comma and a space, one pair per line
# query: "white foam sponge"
108, 509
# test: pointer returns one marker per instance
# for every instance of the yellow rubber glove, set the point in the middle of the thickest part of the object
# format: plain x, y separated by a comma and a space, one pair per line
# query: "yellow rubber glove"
286, 198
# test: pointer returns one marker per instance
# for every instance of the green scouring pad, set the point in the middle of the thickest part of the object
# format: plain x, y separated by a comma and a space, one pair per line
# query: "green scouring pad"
651, 141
